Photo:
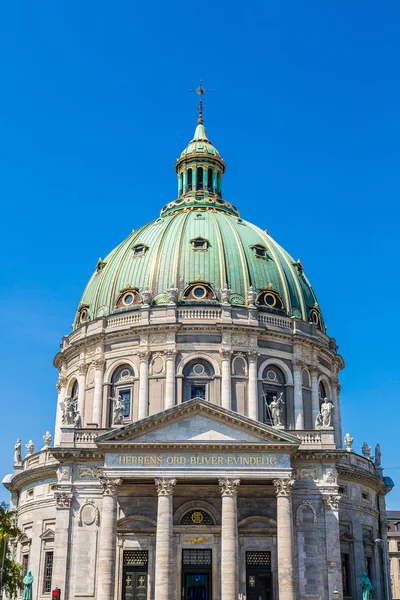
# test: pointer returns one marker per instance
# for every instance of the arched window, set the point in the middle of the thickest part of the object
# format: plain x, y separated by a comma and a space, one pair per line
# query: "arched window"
200, 181
122, 388
197, 516
321, 392
181, 184
210, 180
273, 387
198, 375
189, 180
74, 390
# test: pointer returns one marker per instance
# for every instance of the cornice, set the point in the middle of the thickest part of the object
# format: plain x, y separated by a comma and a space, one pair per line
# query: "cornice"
351, 473
31, 475
73, 455
319, 455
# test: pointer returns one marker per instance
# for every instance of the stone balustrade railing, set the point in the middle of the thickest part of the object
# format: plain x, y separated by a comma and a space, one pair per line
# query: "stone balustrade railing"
87, 436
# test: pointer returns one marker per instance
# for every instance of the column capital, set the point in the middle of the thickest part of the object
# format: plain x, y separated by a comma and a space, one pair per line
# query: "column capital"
63, 498
99, 363
165, 486
283, 487
297, 364
252, 355
82, 369
170, 353
62, 382
109, 485
314, 371
331, 501
229, 487
144, 355
225, 353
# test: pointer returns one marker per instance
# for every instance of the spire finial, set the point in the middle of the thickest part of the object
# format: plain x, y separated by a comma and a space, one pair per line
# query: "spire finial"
200, 91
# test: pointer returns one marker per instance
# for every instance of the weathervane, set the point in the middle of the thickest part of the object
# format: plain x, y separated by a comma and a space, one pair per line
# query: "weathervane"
200, 91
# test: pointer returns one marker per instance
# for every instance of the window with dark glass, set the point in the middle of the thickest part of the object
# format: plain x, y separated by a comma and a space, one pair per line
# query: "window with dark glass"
125, 397
25, 563
346, 574
181, 184
48, 572
198, 391
210, 180
189, 179
200, 183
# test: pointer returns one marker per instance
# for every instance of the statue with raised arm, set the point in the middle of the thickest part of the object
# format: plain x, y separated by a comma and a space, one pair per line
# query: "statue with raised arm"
367, 587
28, 580
118, 410
326, 413
69, 411
17, 453
276, 408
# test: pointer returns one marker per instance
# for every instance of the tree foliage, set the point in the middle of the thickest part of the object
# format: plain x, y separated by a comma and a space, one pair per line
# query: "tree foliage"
12, 573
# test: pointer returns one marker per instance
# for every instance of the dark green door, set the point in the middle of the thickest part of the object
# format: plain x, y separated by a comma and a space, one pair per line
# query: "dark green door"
259, 585
196, 586
134, 585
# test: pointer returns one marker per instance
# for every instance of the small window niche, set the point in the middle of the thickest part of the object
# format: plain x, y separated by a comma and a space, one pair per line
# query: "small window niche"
200, 244
139, 250
260, 251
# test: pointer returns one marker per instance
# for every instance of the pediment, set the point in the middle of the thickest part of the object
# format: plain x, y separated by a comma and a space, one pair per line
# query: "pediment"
47, 535
198, 422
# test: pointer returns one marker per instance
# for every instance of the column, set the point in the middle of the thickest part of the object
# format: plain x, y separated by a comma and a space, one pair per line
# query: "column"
185, 182
108, 539
286, 573
298, 394
336, 413
98, 391
169, 378
314, 395
62, 388
384, 548
252, 386
226, 382
229, 540
60, 577
332, 537
164, 539
143, 385
81, 391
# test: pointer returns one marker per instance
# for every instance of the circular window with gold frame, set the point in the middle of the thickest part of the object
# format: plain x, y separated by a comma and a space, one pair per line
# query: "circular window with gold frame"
199, 292
128, 299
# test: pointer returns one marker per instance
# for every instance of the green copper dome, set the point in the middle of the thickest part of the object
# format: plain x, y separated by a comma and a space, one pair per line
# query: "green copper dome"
199, 243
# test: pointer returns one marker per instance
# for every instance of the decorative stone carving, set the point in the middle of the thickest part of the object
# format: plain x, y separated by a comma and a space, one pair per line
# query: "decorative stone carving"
366, 450
253, 357
90, 472
329, 477
99, 363
251, 296
63, 499
170, 354
225, 294
283, 487
306, 474
197, 540
318, 421
173, 294
225, 354
146, 297
229, 487
378, 455
144, 355
298, 364
83, 367
71, 416
348, 442
62, 382
326, 413
239, 339
306, 505
118, 408
92, 504
47, 439
63, 474
165, 486
30, 448
109, 485
17, 453
276, 408
331, 501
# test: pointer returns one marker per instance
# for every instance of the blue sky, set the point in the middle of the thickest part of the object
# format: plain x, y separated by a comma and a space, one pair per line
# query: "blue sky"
94, 109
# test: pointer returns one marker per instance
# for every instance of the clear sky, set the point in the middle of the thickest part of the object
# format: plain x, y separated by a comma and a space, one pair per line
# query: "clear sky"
94, 109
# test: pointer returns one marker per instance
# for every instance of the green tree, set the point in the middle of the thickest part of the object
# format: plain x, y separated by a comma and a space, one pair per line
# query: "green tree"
10, 571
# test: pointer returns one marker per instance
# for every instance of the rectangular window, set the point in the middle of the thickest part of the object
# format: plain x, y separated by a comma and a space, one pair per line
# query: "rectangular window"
48, 572
25, 563
346, 574
125, 396
365, 496
268, 396
398, 546
198, 391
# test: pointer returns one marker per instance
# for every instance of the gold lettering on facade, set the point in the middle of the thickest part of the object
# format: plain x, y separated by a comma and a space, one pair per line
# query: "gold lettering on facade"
198, 460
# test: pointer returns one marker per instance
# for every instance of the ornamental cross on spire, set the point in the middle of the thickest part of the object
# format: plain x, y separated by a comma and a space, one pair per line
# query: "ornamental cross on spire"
200, 91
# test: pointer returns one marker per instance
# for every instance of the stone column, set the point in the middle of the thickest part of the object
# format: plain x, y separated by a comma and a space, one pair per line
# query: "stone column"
60, 577
314, 395
81, 391
226, 382
336, 413
108, 539
98, 391
252, 386
164, 539
229, 540
62, 388
286, 573
298, 394
169, 378
332, 534
384, 549
143, 385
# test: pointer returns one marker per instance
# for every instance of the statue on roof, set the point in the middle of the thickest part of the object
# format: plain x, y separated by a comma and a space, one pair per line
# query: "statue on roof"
17, 453
378, 455
118, 410
326, 413
71, 416
276, 408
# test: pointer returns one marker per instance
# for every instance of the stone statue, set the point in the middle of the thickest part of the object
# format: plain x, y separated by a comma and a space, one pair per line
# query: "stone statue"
367, 587
276, 408
17, 453
348, 442
378, 455
318, 421
225, 294
251, 296
146, 297
69, 411
172, 294
326, 413
30, 447
118, 410
47, 439
366, 450
28, 580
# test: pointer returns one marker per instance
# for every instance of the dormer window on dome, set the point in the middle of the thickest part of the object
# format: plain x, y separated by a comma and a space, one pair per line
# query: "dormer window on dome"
128, 297
139, 250
199, 290
200, 244
269, 298
100, 265
83, 314
260, 251
315, 316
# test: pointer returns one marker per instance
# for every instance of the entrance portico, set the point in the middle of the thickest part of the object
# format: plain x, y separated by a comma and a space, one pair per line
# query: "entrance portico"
215, 458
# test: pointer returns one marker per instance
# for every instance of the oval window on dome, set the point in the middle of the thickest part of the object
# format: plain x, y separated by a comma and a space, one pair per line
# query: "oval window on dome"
270, 299
128, 299
199, 292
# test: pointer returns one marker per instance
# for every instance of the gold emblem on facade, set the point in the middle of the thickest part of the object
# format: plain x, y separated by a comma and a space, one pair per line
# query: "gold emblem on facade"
128, 580
197, 540
141, 580
197, 517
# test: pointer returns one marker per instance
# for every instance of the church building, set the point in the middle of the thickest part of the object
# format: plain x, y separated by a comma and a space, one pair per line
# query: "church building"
198, 447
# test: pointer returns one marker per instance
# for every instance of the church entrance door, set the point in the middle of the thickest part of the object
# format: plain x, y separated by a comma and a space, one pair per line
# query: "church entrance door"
258, 576
134, 582
196, 574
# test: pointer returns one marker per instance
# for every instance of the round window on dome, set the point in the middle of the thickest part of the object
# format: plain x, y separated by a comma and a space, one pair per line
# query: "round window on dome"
270, 299
83, 316
199, 292
128, 299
